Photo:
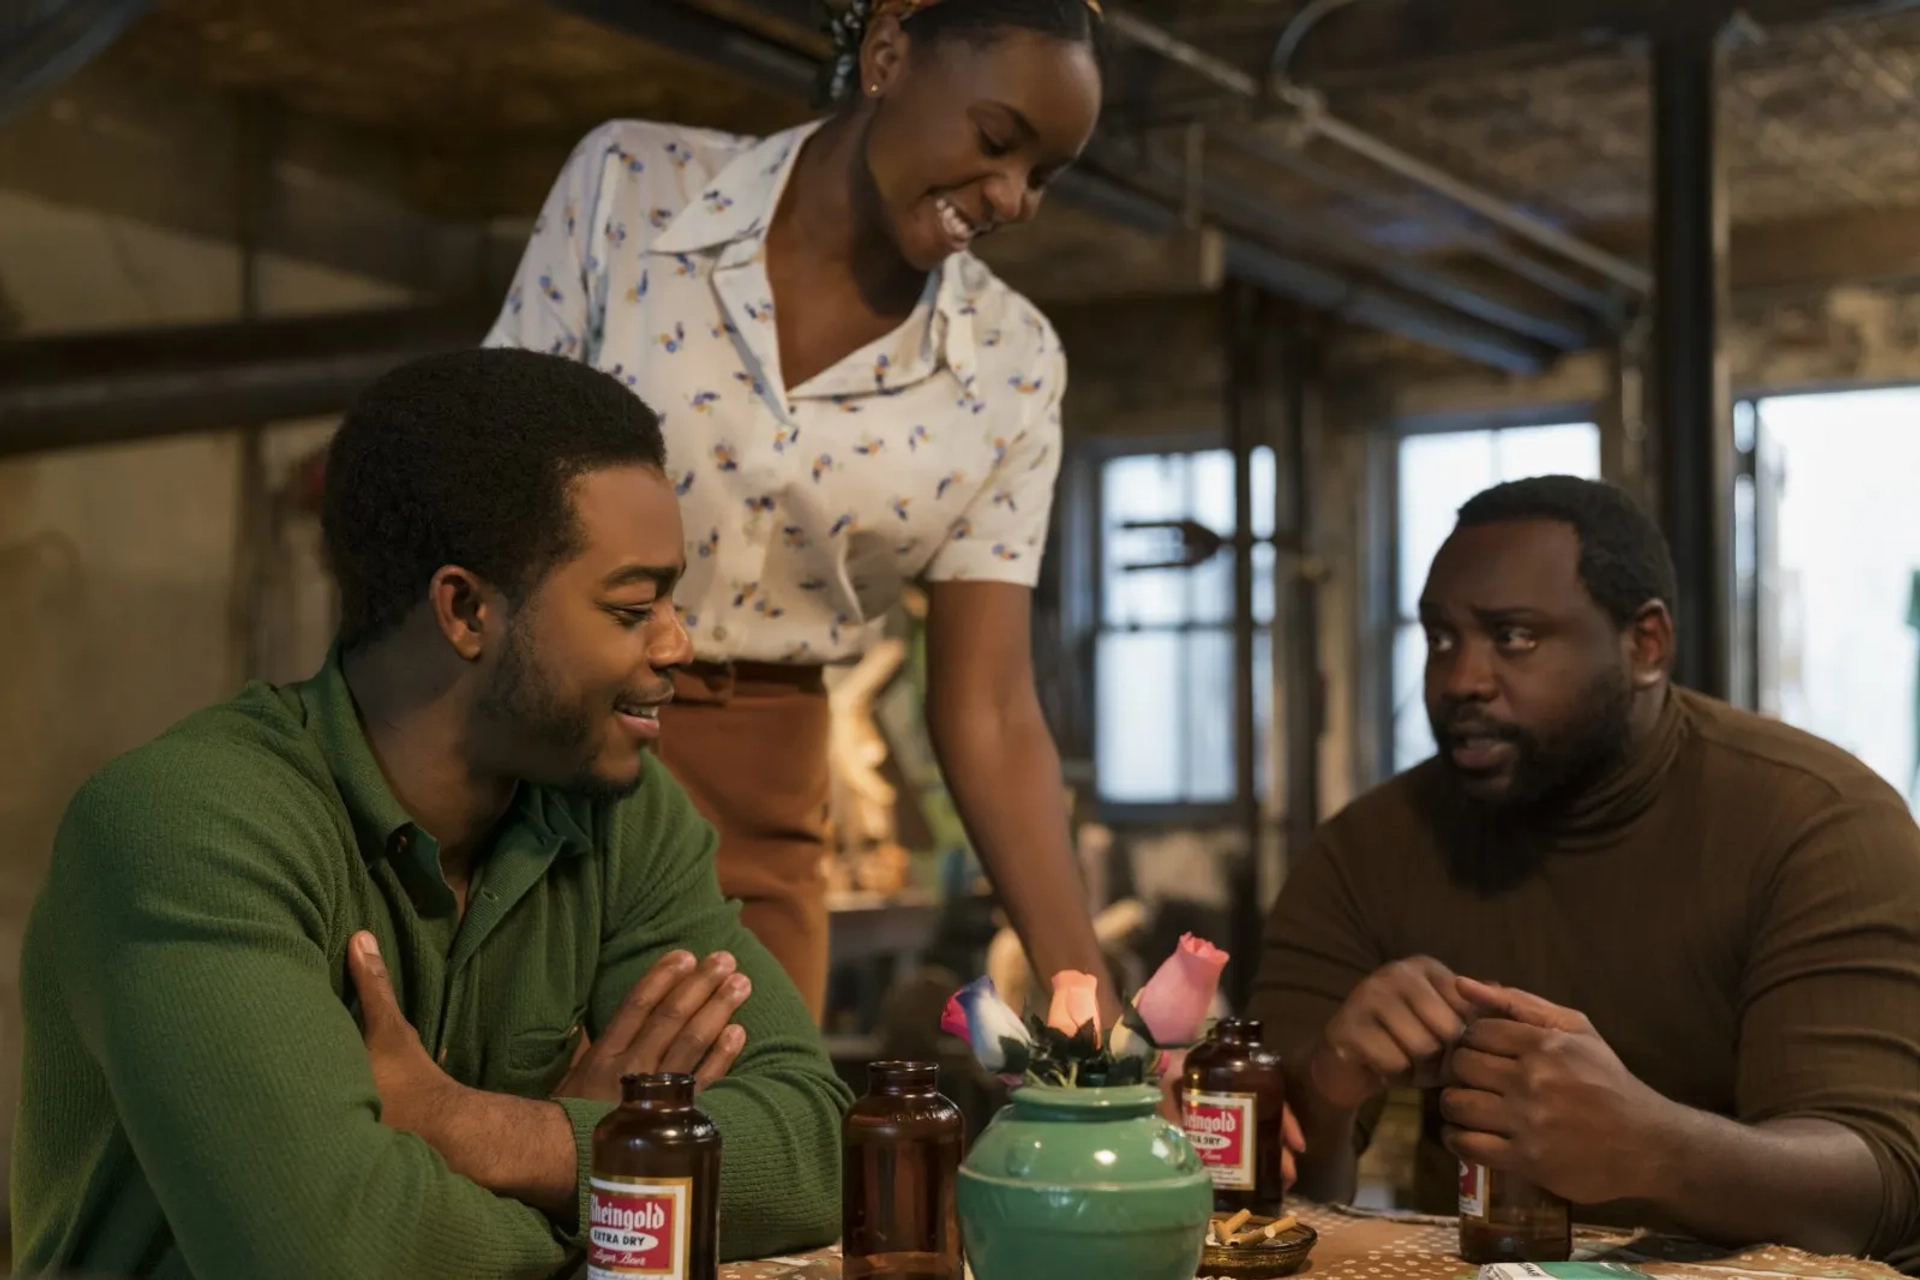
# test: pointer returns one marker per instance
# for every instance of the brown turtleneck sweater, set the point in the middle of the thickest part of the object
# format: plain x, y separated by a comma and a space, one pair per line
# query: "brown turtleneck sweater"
1737, 911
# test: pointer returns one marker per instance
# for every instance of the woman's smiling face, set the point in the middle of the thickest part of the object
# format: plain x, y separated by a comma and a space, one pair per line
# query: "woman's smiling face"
963, 135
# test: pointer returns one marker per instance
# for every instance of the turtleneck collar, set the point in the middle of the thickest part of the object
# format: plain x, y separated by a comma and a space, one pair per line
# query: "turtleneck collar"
1615, 800
1490, 851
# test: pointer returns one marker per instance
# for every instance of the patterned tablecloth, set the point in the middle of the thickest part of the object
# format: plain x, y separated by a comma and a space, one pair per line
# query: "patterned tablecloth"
1358, 1245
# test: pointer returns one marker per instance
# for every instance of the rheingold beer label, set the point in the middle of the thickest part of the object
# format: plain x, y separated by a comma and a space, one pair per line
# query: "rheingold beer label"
1473, 1190
638, 1228
1220, 1127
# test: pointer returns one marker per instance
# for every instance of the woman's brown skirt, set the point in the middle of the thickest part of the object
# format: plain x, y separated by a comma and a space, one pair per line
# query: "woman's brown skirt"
749, 743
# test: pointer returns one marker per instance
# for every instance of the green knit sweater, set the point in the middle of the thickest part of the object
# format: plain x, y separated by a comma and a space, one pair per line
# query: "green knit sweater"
196, 1100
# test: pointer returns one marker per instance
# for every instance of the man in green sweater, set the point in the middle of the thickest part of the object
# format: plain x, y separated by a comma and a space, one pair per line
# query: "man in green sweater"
336, 979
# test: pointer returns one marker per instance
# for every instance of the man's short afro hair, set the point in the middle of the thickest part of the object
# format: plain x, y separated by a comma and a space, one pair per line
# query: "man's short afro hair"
1624, 560
468, 458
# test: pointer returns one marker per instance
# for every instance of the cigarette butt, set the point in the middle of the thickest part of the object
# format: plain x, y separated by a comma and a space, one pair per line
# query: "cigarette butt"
1278, 1225
1237, 1221
1250, 1235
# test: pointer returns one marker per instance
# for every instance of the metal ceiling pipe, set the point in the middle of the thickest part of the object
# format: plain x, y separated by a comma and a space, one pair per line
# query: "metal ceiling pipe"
1480, 243
1627, 274
42, 44
1314, 115
1320, 288
108, 388
1556, 327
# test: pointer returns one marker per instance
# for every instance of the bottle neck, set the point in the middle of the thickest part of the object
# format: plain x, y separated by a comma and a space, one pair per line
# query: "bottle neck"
1238, 1031
903, 1079
658, 1091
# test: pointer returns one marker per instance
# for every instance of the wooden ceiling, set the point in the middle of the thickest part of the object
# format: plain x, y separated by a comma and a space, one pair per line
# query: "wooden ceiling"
1545, 107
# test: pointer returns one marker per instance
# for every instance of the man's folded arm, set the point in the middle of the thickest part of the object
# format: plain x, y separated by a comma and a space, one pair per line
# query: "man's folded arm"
198, 979
779, 1108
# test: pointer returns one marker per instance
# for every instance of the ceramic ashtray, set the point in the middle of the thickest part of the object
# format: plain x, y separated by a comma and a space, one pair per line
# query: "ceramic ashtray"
1243, 1246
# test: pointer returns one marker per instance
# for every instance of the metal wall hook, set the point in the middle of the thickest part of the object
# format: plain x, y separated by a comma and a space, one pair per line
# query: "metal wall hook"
1198, 544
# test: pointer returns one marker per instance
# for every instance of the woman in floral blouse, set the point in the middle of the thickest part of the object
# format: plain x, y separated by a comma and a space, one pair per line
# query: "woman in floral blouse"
852, 402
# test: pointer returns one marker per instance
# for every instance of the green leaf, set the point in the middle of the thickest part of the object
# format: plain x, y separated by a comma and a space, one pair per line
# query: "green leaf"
1131, 1019
1130, 1016
1057, 1043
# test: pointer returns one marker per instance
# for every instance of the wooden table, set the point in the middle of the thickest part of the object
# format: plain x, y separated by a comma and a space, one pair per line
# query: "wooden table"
1361, 1245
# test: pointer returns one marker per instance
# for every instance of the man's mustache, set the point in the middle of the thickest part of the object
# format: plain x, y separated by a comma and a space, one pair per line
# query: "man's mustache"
1455, 723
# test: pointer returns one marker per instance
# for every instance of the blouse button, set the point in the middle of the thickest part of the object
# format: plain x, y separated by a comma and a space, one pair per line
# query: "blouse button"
719, 633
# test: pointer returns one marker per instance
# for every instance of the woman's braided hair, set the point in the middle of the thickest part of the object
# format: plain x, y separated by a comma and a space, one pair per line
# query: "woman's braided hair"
975, 20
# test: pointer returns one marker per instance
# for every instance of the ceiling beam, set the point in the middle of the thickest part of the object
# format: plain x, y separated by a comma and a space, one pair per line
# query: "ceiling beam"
1395, 36
1856, 246
1861, 247
108, 388
703, 32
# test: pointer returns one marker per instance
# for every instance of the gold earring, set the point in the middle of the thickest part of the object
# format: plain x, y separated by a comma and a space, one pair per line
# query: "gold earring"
873, 91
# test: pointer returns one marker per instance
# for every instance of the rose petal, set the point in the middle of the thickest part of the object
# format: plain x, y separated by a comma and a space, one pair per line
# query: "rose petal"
1175, 1001
1076, 1003
953, 1019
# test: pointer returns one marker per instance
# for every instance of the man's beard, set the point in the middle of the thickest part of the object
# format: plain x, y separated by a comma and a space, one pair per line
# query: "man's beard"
523, 703
1550, 773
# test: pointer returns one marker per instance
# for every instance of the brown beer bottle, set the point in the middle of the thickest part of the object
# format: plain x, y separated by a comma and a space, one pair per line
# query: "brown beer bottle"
900, 1163
1508, 1219
655, 1198
1231, 1098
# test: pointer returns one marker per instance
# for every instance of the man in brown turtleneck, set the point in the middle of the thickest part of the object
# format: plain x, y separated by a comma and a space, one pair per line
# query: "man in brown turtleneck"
1705, 926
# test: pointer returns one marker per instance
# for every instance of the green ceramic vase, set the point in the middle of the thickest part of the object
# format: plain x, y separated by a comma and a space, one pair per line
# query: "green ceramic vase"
1083, 1182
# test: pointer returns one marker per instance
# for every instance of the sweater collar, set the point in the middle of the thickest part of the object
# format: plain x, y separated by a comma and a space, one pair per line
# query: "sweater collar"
1491, 849
381, 824
1615, 800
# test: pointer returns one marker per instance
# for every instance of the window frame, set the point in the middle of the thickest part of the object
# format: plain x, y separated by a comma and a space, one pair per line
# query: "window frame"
1090, 494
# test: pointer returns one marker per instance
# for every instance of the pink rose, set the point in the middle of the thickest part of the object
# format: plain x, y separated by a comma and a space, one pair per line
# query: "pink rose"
1175, 1001
1075, 1003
